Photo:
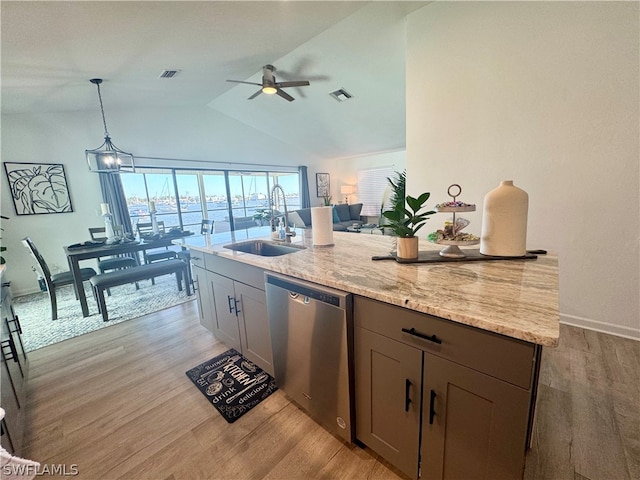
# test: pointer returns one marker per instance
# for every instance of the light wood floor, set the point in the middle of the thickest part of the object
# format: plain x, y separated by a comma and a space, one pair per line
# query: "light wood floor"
117, 403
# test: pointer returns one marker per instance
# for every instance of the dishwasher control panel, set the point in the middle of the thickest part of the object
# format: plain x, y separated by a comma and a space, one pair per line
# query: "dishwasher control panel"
311, 292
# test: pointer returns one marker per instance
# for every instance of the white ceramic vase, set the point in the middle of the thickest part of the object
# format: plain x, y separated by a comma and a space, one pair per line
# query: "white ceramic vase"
504, 221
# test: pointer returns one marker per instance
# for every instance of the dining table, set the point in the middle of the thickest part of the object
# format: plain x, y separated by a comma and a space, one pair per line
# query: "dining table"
93, 250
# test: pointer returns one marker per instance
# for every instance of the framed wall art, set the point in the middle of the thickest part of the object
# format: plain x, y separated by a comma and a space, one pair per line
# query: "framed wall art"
38, 188
322, 185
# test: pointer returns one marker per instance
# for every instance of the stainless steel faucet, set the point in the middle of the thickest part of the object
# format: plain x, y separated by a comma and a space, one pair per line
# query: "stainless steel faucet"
288, 232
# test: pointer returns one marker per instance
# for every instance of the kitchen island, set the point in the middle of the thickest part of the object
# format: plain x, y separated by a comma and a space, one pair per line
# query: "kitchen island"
445, 355
514, 298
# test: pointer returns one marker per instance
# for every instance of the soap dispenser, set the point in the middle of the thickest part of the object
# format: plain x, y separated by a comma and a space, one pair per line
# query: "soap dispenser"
282, 234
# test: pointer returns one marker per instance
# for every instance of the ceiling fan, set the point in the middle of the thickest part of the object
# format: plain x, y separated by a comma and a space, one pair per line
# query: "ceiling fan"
270, 86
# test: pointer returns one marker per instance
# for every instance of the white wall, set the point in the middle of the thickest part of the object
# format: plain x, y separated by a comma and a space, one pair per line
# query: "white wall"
545, 94
344, 171
189, 133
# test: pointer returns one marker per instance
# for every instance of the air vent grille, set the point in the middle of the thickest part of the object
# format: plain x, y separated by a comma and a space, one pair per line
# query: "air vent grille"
169, 73
341, 95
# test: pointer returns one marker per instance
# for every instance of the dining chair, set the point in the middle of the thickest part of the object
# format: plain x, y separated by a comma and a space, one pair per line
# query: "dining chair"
206, 226
146, 228
116, 262
57, 279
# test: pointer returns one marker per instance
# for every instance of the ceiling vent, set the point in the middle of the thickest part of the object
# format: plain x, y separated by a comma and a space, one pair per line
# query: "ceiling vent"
169, 73
341, 95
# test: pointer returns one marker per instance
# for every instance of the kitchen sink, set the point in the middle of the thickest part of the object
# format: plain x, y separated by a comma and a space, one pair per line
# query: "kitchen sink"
264, 248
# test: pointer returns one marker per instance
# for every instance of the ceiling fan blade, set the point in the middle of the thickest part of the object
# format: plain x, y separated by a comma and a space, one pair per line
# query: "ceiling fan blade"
248, 83
299, 83
255, 94
285, 95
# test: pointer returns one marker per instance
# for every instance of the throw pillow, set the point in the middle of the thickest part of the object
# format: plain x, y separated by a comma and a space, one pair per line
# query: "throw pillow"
336, 218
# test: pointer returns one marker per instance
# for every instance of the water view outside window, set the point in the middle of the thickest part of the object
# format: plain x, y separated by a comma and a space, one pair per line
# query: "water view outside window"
233, 199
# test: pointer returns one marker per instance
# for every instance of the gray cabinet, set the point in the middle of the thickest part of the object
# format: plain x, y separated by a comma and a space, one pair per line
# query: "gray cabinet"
201, 287
13, 375
255, 336
474, 426
389, 389
225, 321
461, 397
232, 305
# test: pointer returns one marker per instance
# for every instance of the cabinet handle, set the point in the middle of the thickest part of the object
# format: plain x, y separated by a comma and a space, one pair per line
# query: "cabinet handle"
415, 333
16, 322
229, 299
407, 399
236, 306
432, 412
13, 355
193, 257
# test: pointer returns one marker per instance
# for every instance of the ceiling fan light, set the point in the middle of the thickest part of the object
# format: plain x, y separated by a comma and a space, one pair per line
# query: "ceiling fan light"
269, 90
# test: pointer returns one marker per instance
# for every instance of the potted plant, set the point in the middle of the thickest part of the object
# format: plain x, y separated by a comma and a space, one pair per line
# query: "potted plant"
327, 200
406, 217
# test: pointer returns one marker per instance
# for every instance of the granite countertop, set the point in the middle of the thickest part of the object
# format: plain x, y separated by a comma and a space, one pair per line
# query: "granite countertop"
517, 298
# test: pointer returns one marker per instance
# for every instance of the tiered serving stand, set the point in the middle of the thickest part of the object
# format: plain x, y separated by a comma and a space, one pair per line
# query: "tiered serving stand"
453, 246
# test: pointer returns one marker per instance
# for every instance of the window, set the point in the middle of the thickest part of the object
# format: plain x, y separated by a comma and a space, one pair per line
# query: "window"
234, 199
374, 190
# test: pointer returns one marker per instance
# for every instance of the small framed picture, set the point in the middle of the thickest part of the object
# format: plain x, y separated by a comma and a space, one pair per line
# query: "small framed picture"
323, 188
38, 188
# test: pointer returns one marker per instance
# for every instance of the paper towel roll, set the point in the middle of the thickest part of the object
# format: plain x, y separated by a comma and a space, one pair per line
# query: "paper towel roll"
322, 226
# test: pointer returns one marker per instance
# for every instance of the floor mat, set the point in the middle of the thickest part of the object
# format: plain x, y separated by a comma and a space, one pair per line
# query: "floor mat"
232, 384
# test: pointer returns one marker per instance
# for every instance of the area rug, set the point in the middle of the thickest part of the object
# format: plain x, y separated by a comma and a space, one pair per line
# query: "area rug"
232, 384
125, 303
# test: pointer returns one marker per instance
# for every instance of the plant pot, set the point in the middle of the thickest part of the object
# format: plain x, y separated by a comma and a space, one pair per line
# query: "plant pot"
407, 248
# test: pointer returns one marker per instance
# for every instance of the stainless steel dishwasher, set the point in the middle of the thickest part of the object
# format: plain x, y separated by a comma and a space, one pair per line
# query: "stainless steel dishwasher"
312, 339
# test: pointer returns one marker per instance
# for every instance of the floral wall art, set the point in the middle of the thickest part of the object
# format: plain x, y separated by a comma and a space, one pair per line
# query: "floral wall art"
322, 185
38, 188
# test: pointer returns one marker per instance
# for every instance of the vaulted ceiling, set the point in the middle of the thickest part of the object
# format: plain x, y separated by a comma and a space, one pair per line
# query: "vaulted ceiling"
50, 50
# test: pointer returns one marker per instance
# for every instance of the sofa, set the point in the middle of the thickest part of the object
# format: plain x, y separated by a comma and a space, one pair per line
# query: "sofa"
344, 215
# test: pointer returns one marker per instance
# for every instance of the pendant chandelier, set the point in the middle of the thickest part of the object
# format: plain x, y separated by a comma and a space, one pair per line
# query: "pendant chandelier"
108, 158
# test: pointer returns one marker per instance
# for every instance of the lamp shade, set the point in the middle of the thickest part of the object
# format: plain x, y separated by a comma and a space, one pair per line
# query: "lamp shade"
347, 189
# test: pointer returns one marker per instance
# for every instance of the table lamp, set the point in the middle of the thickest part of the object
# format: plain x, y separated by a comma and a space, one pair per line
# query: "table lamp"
347, 190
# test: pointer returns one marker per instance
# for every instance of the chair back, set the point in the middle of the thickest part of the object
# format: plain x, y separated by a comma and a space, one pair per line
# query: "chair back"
98, 233
207, 226
27, 242
147, 227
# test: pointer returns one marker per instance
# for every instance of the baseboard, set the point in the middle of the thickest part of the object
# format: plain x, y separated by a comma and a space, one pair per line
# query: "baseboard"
23, 292
618, 330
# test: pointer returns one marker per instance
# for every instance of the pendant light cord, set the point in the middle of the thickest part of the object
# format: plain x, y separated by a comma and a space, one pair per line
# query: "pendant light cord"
104, 122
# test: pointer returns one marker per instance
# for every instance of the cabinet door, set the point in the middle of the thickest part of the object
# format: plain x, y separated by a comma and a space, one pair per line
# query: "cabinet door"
474, 425
254, 326
13, 372
225, 322
12, 423
206, 311
388, 394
